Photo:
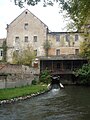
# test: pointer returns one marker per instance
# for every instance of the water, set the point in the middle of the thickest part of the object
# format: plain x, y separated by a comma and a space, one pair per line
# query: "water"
71, 103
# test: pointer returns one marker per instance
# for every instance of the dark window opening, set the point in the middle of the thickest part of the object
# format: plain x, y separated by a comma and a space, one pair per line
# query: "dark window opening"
58, 52
76, 51
26, 26
35, 38
26, 38
57, 38
1, 53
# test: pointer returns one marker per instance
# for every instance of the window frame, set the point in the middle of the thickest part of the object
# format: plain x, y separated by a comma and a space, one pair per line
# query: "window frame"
26, 26
17, 39
35, 38
57, 52
26, 39
57, 38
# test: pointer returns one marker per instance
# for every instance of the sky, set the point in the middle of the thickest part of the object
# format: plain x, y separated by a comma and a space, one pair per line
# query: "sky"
48, 15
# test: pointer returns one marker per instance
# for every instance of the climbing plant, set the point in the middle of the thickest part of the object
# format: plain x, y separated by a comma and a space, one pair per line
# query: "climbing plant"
4, 47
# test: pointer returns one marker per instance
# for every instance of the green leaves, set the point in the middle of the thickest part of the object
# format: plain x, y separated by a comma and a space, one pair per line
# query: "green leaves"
83, 74
24, 57
45, 77
85, 49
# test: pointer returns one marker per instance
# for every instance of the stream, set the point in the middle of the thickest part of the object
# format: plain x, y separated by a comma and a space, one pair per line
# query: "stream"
71, 103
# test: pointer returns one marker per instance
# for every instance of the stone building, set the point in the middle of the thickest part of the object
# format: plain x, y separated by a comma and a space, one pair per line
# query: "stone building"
28, 30
62, 48
64, 43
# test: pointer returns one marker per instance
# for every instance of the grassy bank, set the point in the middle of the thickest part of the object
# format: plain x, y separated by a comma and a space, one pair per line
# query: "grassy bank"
10, 93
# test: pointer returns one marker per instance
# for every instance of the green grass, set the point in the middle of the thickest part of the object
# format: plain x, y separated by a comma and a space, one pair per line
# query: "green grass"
9, 93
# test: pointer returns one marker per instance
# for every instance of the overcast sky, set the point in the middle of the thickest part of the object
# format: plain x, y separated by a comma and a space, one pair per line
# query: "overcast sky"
49, 15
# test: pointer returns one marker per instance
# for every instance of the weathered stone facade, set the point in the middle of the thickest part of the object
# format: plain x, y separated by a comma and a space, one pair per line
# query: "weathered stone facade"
28, 30
64, 43
17, 75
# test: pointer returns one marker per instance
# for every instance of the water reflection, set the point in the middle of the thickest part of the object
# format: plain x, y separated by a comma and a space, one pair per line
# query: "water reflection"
71, 103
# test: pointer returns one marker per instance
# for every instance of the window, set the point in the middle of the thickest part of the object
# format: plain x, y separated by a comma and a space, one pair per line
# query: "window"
35, 51
76, 51
76, 37
58, 52
26, 12
67, 37
16, 39
26, 38
35, 38
26, 26
57, 38
1, 53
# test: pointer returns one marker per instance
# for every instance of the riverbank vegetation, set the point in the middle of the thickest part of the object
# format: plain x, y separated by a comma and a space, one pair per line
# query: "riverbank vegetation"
10, 93
83, 75
45, 77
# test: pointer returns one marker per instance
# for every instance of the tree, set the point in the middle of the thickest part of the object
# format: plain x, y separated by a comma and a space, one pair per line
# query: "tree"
4, 46
24, 57
83, 75
77, 10
85, 49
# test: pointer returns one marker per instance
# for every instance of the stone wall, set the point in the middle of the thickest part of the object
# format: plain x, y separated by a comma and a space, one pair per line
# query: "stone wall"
17, 75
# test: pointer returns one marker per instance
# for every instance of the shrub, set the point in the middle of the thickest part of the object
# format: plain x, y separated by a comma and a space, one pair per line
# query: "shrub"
83, 75
45, 77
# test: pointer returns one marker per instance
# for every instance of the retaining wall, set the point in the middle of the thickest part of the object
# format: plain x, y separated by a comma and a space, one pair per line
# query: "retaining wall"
17, 75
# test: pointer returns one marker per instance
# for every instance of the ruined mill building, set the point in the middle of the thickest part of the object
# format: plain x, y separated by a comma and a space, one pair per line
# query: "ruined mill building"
62, 55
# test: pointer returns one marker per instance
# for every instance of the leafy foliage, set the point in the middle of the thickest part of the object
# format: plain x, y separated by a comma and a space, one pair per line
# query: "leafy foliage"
45, 77
83, 75
77, 10
4, 46
20, 3
85, 49
24, 57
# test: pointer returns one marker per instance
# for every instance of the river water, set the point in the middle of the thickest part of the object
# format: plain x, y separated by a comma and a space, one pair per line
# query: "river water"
71, 103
